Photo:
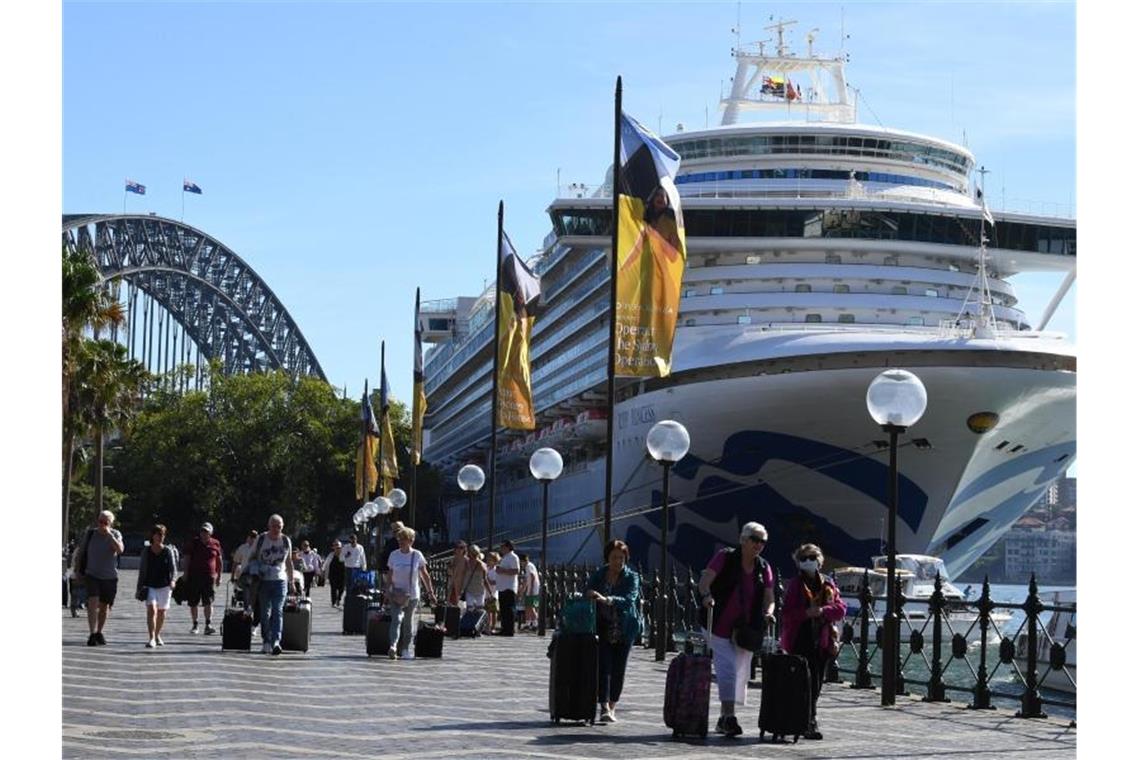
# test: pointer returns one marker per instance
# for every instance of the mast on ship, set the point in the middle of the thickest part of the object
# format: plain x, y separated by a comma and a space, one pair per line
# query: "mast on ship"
814, 87
985, 324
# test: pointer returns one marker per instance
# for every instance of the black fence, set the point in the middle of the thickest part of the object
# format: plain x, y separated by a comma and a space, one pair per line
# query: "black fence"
955, 646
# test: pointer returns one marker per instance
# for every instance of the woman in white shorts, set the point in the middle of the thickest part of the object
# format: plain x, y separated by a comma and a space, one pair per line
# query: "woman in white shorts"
157, 568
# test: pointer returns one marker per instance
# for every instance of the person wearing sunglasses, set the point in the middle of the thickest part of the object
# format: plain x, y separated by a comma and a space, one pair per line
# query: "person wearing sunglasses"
812, 610
738, 585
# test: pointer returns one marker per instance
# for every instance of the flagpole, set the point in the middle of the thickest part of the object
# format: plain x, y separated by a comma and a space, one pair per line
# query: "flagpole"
416, 445
611, 365
124, 197
183, 217
364, 448
495, 386
381, 474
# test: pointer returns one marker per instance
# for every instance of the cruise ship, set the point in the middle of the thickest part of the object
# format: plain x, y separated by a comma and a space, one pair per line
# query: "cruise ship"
821, 251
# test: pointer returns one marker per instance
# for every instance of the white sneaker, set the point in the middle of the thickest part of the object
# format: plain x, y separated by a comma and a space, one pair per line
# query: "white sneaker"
158, 642
150, 644
605, 715
391, 653
407, 656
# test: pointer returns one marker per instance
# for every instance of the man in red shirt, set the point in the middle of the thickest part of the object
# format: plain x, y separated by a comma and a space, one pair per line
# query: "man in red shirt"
204, 574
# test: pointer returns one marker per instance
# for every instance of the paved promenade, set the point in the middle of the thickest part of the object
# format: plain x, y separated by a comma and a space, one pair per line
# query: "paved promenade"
486, 698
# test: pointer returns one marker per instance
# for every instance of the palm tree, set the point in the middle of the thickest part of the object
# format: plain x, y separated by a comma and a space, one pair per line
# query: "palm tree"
87, 305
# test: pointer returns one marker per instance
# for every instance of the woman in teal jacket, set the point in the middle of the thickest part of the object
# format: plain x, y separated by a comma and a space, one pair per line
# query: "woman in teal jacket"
617, 590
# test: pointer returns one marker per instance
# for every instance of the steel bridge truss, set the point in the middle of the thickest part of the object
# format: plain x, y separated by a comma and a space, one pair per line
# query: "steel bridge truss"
194, 288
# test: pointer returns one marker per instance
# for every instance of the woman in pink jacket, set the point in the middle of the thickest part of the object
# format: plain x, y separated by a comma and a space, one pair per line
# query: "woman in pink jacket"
812, 608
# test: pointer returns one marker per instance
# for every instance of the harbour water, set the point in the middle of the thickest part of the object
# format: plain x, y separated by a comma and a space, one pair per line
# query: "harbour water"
1005, 685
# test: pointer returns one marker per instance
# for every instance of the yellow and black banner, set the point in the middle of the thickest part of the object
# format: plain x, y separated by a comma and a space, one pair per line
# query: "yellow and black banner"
419, 398
366, 452
517, 302
388, 468
651, 253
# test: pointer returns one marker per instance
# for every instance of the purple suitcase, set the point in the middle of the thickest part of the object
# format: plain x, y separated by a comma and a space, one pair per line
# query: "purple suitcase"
687, 687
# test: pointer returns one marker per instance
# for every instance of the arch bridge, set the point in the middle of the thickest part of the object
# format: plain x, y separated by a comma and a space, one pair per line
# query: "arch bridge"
190, 299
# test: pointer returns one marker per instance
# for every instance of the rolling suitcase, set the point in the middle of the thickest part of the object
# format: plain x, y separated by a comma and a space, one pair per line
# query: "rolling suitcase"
429, 641
355, 612
376, 634
472, 622
237, 624
573, 677
448, 615
687, 686
297, 625
785, 698
579, 615
237, 630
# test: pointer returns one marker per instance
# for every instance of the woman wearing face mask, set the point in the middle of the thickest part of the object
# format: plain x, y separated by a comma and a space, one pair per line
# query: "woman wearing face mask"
812, 607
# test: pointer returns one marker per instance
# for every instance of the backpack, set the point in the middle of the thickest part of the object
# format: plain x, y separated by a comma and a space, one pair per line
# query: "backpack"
81, 557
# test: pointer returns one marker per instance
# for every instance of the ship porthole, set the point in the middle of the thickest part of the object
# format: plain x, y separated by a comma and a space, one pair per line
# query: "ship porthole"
982, 422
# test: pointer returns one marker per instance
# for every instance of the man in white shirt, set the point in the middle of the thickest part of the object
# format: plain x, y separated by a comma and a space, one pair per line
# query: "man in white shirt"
530, 592
507, 575
310, 566
352, 555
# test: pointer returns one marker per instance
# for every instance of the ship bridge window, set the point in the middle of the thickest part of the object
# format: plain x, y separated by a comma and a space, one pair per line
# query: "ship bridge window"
898, 290
803, 288
841, 289
744, 319
931, 293
847, 318
813, 318
439, 324
716, 291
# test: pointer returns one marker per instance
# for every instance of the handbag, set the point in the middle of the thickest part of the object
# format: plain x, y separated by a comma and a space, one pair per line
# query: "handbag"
140, 593
399, 597
179, 592
744, 634
609, 623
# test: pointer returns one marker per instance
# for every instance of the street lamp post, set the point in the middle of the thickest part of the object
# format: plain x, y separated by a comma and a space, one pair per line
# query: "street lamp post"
398, 499
545, 466
383, 507
470, 479
668, 442
896, 400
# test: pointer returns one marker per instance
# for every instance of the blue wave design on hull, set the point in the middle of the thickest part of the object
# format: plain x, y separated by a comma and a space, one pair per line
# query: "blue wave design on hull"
729, 503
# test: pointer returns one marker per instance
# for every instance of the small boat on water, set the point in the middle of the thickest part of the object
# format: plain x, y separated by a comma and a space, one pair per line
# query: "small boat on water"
1061, 625
917, 573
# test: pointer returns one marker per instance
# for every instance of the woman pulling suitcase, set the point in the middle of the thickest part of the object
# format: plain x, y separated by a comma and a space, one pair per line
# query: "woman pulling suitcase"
812, 608
737, 585
617, 591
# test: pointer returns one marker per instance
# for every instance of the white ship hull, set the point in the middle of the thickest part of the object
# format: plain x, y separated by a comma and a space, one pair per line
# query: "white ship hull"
796, 451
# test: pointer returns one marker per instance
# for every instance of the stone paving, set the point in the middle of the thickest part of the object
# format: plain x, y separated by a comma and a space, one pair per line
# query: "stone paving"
486, 698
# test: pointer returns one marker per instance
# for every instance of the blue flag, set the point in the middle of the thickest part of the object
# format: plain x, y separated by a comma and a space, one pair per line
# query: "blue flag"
135, 187
190, 187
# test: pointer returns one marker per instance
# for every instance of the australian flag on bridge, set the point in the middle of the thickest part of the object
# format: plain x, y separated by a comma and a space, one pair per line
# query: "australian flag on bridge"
135, 187
190, 187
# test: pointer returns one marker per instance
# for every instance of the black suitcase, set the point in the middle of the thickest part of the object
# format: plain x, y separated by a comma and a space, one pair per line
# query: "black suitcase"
785, 698
471, 624
237, 630
355, 607
429, 641
297, 625
573, 677
376, 639
448, 615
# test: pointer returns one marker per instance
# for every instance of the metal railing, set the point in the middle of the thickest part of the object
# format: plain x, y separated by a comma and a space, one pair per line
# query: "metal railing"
928, 652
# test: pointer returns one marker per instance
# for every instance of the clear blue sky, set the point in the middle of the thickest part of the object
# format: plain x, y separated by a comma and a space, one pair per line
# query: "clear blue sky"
350, 152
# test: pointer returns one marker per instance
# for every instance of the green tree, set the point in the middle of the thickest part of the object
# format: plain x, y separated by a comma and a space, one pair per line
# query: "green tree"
100, 386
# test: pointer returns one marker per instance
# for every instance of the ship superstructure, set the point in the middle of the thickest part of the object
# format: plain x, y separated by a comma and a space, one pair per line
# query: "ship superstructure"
820, 251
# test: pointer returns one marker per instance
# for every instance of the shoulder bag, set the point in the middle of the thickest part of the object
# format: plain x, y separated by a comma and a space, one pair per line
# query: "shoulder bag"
744, 634
399, 597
